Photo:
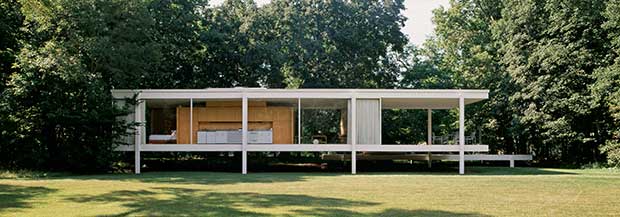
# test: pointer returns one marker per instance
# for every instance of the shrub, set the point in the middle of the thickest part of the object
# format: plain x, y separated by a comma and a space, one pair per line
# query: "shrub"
612, 149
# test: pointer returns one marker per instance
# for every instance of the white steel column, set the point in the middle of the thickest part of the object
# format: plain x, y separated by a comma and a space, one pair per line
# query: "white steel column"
429, 136
244, 135
191, 121
353, 129
143, 123
461, 135
298, 120
138, 136
380, 121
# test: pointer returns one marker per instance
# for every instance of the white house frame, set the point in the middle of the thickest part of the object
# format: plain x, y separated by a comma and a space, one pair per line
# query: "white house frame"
389, 98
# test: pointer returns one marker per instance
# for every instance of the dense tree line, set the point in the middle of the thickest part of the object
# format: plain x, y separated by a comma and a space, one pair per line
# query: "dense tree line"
552, 68
62, 57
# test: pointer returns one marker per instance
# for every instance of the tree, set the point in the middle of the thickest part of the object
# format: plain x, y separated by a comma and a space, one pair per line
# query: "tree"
540, 60
551, 49
10, 37
465, 54
335, 43
606, 88
420, 68
234, 52
60, 101
63, 116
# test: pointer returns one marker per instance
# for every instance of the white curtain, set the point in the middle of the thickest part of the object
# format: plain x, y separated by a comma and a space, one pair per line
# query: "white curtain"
368, 121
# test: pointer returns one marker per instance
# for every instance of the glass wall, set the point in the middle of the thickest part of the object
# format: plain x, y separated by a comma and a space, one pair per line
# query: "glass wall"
405, 122
324, 121
165, 121
272, 121
403, 126
216, 121
128, 105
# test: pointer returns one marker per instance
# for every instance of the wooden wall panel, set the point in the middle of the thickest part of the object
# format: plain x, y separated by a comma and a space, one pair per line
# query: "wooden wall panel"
183, 125
220, 114
236, 103
283, 127
233, 126
220, 117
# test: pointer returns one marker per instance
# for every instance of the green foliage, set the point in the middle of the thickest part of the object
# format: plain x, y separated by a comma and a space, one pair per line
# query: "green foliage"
420, 69
22, 174
321, 122
546, 65
234, 51
552, 68
10, 22
335, 43
606, 88
63, 115
402, 126
56, 111
10, 36
465, 54
551, 49
612, 150
59, 113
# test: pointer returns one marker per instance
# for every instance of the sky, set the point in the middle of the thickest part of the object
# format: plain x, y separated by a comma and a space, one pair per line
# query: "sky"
419, 13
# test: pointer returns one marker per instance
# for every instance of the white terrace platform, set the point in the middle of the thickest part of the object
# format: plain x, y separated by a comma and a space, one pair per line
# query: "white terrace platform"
363, 125
428, 157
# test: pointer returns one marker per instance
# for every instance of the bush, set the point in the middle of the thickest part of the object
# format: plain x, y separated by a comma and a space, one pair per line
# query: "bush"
58, 115
612, 149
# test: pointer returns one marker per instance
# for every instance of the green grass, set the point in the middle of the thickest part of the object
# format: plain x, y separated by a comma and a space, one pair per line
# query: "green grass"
491, 191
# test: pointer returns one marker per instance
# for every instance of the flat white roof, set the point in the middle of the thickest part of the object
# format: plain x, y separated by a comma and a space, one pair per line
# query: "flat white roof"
391, 98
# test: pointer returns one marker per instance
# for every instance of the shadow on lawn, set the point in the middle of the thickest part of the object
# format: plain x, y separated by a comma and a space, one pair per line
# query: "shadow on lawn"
12, 196
215, 178
472, 170
193, 202
495, 171
211, 178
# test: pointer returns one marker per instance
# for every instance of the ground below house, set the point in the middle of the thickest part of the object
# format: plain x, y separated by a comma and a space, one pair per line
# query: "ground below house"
484, 191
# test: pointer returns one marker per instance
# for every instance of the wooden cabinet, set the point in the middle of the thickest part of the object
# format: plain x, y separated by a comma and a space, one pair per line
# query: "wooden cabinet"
226, 115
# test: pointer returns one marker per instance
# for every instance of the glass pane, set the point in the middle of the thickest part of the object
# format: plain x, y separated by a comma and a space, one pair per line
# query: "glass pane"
165, 121
217, 121
409, 126
324, 121
272, 121
128, 139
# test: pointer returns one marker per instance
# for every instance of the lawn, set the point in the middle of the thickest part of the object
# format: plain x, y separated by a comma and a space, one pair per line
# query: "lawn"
492, 191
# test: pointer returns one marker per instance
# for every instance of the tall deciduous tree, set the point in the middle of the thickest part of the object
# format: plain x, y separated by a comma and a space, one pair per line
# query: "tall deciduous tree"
606, 88
540, 60
60, 99
10, 36
551, 49
421, 68
466, 52
234, 51
336, 43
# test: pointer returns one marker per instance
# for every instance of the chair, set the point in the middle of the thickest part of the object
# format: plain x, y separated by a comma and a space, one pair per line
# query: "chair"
453, 138
471, 138
437, 139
